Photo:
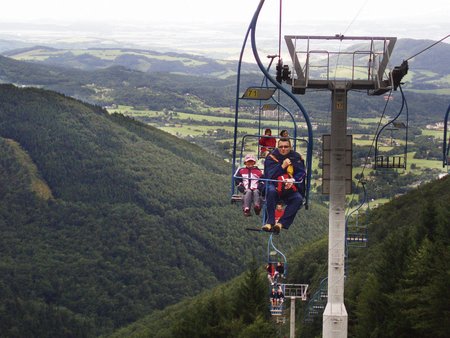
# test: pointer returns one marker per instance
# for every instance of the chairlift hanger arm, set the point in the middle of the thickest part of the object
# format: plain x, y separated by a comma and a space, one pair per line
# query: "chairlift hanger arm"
271, 245
445, 145
236, 116
393, 120
361, 204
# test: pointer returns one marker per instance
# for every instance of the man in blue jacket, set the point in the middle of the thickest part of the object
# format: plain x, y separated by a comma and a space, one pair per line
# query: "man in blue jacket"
287, 170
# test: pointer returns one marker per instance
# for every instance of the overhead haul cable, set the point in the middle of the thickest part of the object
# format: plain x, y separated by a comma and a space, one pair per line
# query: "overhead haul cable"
423, 50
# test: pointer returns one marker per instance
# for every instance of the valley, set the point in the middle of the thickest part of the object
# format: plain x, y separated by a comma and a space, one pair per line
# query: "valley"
134, 233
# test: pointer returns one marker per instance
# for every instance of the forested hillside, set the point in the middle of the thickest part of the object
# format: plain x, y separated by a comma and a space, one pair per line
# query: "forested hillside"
433, 61
119, 84
119, 76
104, 219
397, 287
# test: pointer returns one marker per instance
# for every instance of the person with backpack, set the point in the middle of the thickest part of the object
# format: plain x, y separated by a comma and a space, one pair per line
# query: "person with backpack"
286, 169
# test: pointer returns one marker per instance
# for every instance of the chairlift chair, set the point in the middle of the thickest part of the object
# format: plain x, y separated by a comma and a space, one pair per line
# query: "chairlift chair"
398, 160
356, 235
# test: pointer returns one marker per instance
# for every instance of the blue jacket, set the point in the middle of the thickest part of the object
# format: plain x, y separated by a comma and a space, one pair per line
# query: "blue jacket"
273, 169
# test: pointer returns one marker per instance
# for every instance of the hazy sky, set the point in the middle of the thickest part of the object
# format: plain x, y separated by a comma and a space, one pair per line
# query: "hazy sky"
215, 11
175, 21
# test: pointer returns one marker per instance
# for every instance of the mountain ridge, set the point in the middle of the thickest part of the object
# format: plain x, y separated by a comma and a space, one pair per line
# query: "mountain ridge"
193, 64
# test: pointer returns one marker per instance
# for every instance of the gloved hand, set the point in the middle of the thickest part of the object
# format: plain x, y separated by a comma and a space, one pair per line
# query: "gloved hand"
289, 183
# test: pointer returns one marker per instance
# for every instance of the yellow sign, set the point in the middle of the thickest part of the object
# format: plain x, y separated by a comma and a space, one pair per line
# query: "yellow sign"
269, 106
258, 93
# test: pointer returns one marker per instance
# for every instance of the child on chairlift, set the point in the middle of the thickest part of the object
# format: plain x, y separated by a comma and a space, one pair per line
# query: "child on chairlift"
248, 183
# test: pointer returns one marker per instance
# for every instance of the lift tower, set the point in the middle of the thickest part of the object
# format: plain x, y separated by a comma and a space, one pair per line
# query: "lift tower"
338, 71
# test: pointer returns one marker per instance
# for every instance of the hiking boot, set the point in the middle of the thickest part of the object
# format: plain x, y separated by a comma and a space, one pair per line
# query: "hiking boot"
257, 209
267, 227
277, 227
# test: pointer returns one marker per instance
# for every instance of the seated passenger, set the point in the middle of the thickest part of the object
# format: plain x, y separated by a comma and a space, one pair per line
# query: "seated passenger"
280, 270
270, 272
284, 133
273, 297
267, 143
270, 268
248, 183
280, 296
279, 211
287, 167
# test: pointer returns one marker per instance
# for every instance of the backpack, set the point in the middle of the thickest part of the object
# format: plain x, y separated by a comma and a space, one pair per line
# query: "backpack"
281, 186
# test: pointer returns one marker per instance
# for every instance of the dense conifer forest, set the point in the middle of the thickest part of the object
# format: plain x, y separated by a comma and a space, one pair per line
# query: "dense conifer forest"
105, 220
395, 287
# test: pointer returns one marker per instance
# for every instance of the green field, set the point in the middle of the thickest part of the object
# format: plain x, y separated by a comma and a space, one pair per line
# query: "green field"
183, 119
104, 54
186, 130
437, 134
205, 125
421, 163
371, 120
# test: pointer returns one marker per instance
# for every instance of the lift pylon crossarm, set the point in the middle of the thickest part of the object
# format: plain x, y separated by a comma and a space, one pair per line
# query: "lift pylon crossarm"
296, 290
377, 54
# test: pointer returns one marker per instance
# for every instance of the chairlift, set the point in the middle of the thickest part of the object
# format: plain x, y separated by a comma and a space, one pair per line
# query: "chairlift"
396, 158
277, 305
356, 234
247, 145
276, 258
317, 302
264, 93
